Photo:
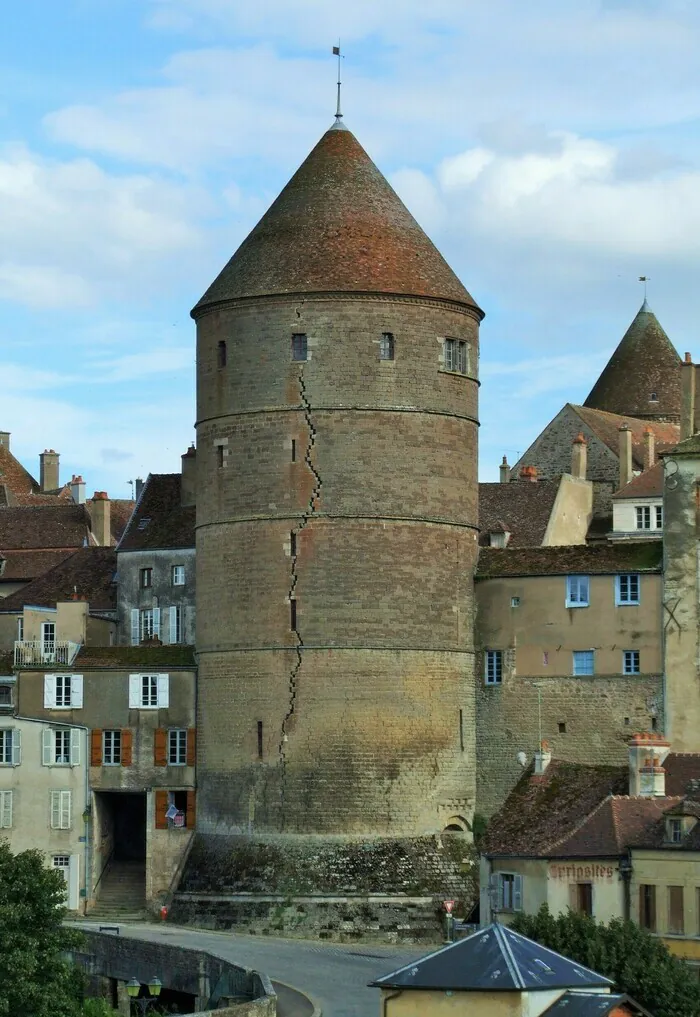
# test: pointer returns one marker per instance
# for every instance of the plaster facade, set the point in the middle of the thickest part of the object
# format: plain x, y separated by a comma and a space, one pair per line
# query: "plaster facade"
625, 517
571, 513
161, 595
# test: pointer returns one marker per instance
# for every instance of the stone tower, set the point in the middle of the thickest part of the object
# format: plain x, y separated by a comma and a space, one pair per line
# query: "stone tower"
337, 358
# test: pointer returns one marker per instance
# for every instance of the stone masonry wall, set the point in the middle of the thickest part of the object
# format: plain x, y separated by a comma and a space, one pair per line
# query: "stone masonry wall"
347, 486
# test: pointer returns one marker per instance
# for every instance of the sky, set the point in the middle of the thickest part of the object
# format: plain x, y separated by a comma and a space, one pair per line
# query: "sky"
551, 149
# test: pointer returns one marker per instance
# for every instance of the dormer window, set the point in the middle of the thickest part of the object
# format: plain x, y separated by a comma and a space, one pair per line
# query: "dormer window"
674, 831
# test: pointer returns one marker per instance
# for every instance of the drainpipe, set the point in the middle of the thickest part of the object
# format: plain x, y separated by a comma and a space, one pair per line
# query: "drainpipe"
386, 997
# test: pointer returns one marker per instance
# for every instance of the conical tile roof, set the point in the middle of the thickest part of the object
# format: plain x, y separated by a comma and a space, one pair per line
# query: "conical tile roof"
643, 376
495, 958
337, 226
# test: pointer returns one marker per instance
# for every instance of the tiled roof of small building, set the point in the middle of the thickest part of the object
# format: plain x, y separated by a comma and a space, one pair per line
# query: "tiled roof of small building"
649, 484
336, 226
129, 657
493, 959
523, 507
644, 363
160, 520
23, 566
14, 475
44, 526
606, 426
582, 559
688, 447
88, 572
617, 823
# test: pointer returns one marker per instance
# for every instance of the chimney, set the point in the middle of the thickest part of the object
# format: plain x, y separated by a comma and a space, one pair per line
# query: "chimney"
625, 455
48, 470
687, 397
504, 471
77, 490
5, 440
543, 757
579, 457
529, 473
138, 484
99, 513
188, 488
647, 752
649, 456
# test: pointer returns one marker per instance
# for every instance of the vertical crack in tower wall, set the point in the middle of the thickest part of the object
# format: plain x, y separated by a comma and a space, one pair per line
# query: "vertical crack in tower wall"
311, 509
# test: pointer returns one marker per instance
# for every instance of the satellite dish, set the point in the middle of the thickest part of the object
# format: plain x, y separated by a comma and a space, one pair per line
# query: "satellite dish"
522, 758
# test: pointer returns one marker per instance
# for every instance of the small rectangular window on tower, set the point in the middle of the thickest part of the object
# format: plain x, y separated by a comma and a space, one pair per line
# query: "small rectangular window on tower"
294, 450
299, 346
221, 354
386, 346
260, 739
293, 614
293, 544
220, 462
456, 356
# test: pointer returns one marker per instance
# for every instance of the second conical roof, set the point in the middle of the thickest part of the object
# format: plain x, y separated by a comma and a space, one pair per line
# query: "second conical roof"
643, 376
337, 226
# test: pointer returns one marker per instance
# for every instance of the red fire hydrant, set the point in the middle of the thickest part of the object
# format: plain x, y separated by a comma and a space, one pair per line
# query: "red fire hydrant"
163, 913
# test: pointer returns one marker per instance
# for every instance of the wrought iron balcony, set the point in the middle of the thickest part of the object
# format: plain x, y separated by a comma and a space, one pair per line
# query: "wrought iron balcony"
38, 652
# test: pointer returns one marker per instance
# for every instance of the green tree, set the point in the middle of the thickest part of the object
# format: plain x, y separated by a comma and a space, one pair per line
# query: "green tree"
637, 962
37, 980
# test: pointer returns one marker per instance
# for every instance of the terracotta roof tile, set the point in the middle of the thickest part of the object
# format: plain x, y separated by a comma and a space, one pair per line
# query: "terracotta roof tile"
27, 565
582, 559
522, 507
649, 484
337, 225
89, 571
159, 520
644, 363
44, 526
124, 657
14, 475
606, 427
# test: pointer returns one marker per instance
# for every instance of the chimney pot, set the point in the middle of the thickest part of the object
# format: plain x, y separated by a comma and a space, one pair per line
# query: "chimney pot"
625, 455
188, 480
5, 440
138, 487
49, 470
688, 359
579, 457
504, 471
100, 516
649, 448
529, 473
647, 751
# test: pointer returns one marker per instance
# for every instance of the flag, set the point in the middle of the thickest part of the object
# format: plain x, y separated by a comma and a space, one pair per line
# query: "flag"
642, 278
336, 51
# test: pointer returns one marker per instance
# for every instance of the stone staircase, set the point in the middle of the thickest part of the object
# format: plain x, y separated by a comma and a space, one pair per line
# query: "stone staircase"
121, 894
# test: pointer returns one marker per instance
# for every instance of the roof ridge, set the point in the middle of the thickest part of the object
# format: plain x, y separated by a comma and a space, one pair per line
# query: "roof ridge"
511, 963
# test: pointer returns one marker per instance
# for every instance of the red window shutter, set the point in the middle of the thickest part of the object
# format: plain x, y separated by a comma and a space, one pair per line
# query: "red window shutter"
161, 809
127, 743
160, 747
96, 747
191, 806
192, 746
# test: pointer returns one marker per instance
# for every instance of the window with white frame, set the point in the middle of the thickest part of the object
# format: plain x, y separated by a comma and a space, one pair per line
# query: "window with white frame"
5, 810
145, 624
112, 748
386, 346
583, 661
63, 691
510, 891
649, 517
659, 514
177, 746
456, 356
6, 745
577, 591
674, 831
177, 575
627, 589
176, 623
149, 691
630, 661
493, 667
60, 746
61, 807
20, 628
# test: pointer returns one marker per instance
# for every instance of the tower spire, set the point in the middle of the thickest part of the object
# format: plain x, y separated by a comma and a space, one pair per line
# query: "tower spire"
336, 52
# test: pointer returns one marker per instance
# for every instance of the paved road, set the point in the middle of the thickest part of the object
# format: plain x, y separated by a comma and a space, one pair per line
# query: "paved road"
333, 975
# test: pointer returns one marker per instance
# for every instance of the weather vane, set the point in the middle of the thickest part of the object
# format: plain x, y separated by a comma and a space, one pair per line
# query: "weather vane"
644, 279
336, 52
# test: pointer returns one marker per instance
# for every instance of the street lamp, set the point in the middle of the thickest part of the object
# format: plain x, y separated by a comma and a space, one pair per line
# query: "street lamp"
133, 988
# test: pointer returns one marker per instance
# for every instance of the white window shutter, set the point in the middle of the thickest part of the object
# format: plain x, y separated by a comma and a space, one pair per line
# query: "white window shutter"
16, 747
134, 691
47, 747
76, 691
135, 627
163, 690
5, 810
55, 810
156, 621
49, 691
518, 893
75, 736
66, 804
173, 625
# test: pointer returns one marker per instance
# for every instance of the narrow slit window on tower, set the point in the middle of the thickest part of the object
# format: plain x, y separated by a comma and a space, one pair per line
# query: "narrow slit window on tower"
293, 614
293, 544
221, 355
220, 456
461, 730
386, 346
299, 346
260, 739
294, 450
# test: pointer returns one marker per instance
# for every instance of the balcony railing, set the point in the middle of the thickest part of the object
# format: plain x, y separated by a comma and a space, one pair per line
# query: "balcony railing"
37, 652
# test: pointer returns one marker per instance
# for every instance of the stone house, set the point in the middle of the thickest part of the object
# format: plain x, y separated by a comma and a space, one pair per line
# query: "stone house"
496, 972
569, 649
156, 561
606, 841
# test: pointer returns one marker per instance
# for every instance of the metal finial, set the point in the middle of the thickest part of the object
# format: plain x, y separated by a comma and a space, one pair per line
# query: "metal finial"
336, 52
644, 279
